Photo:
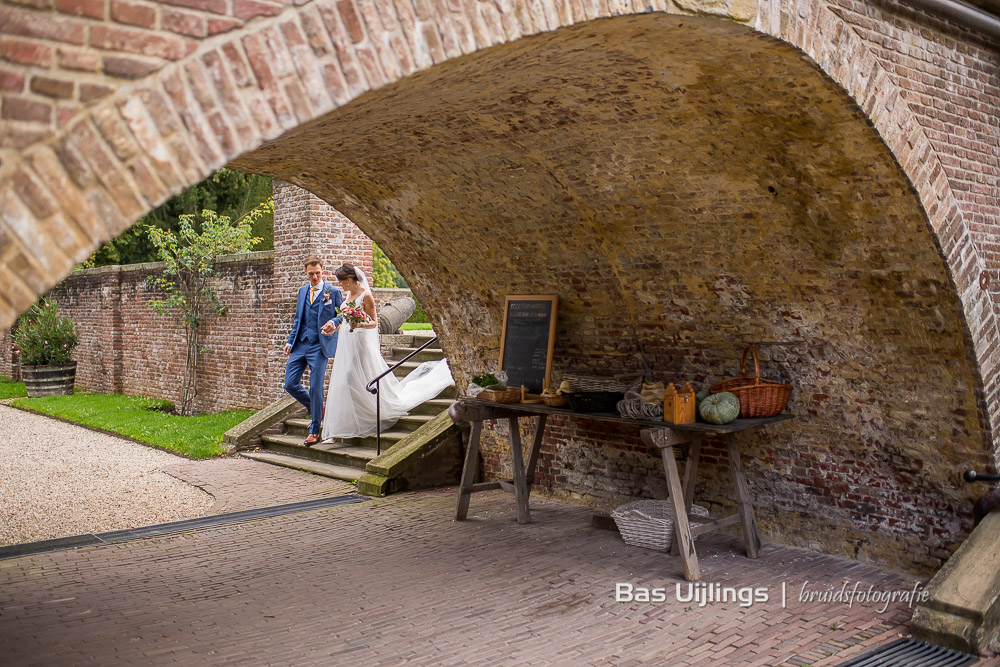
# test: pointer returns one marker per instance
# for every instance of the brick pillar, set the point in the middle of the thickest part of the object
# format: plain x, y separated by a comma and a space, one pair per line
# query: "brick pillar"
306, 225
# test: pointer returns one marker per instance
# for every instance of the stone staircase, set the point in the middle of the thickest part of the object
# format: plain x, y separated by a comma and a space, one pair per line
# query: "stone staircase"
346, 459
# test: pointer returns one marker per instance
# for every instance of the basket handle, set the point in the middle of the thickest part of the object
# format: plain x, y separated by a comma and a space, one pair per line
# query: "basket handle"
756, 363
641, 515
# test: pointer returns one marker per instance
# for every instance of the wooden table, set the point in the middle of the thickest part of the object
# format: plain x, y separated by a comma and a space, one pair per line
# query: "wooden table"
661, 435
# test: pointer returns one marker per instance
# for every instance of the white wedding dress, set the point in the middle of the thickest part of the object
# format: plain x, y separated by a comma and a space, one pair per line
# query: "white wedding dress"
350, 408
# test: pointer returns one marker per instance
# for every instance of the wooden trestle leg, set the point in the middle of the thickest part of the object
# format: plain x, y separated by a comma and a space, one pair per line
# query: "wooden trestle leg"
469, 471
745, 503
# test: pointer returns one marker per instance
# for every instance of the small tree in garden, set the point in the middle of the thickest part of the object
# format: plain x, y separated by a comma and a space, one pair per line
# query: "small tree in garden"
190, 256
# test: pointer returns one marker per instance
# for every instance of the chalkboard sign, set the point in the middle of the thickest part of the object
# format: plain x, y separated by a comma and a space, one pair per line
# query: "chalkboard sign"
529, 336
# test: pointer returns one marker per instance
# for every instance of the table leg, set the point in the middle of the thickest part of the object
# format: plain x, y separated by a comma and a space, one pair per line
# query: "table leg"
690, 477
536, 445
689, 557
469, 472
520, 483
747, 519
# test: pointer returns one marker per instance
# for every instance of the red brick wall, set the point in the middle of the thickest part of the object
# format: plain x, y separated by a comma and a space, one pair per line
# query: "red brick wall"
127, 347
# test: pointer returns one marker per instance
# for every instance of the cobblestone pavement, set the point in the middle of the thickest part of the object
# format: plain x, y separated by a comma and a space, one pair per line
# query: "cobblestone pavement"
240, 484
397, 580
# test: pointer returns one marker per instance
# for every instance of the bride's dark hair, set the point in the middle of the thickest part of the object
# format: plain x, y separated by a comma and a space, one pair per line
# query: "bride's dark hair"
346, 271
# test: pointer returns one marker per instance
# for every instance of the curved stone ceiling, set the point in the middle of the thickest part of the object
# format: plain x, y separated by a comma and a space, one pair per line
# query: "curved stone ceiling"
694, 183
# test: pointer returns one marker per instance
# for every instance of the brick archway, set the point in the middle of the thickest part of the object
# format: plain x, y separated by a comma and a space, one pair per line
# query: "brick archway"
275, 67
280, 77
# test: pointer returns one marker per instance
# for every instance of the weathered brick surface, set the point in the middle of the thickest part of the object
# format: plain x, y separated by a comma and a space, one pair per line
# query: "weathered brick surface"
692, 180
112, 40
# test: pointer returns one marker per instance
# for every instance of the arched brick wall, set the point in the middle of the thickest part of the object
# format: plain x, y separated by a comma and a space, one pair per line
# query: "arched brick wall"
344, 71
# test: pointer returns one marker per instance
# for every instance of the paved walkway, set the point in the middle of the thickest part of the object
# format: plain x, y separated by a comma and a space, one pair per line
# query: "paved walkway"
58, 479
397, 580
241, 484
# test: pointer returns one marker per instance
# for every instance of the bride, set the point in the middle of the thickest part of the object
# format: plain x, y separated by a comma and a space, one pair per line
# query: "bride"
350, 408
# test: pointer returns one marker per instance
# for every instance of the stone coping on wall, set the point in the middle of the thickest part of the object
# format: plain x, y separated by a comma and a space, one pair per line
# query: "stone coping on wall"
157, 266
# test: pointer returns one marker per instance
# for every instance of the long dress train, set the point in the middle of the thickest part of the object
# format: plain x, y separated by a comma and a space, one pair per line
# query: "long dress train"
350, 408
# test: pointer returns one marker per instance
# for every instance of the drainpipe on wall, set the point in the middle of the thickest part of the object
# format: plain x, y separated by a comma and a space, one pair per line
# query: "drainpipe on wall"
960, 13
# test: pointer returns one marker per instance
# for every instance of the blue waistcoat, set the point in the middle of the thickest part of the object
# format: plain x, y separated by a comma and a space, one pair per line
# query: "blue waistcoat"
311, 323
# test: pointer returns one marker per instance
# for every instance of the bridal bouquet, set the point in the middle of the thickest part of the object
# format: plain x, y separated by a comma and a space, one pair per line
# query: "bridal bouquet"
353, 313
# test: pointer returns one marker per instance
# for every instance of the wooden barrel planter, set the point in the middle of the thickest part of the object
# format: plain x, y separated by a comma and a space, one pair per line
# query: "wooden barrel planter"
49, 380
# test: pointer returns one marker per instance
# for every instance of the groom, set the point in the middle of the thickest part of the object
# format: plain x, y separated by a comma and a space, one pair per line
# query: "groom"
312, 342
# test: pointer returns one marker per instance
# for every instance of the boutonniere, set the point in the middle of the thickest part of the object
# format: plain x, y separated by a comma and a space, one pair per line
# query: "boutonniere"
327, 295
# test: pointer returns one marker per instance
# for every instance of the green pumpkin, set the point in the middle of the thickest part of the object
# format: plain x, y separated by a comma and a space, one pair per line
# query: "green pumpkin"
720, 408
699, 397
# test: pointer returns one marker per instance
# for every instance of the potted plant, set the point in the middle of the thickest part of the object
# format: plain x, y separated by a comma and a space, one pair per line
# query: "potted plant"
45, 340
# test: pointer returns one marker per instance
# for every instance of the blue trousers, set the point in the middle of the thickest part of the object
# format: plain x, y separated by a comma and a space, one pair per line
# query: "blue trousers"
308, 353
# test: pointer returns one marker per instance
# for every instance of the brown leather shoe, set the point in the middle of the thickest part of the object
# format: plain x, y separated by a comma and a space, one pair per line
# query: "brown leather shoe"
312, 439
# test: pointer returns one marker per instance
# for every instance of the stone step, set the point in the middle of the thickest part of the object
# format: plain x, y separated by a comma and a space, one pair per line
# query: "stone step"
316, 467
344, 453
421, 337
429, 354
389, 438
433, 407
404, 368
300, 427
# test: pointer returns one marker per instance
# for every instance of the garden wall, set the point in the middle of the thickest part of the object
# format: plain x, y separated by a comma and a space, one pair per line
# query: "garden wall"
127, 347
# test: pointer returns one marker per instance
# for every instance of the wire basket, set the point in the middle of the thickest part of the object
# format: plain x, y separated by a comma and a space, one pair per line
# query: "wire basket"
758, 398
650, 523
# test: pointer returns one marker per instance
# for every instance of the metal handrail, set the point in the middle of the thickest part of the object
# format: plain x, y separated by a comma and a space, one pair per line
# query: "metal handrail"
372, 387
973, 476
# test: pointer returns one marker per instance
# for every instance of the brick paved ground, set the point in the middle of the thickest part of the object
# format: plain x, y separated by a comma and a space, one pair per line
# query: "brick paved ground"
240, 484
394, 580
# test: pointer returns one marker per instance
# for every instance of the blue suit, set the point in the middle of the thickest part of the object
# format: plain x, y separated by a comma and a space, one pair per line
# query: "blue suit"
312, 348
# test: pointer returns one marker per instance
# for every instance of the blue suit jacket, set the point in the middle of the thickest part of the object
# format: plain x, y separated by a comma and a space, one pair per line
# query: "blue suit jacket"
327, 312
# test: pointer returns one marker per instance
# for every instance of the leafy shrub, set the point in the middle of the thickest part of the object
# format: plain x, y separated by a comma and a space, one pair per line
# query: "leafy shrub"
418, 313
44, 337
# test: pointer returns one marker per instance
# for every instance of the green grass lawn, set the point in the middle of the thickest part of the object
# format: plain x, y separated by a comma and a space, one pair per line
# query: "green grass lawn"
11, 389
144, 419
415, 326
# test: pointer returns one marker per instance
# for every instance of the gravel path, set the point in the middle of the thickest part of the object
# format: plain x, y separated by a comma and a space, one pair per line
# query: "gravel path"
58, 480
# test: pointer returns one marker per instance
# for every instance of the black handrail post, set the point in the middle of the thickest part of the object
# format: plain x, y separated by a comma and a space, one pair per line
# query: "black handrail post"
378, 395
378, 419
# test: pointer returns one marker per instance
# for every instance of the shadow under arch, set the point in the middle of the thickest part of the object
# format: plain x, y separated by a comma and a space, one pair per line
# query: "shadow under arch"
701, 185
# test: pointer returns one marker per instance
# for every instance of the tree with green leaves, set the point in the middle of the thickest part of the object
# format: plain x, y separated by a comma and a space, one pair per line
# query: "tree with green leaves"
228, 192
384, 272
190, 256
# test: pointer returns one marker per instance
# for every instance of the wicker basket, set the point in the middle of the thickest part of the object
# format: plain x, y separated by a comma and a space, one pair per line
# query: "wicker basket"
555, 400
619, 383
758, 398
500, 396
650, 523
